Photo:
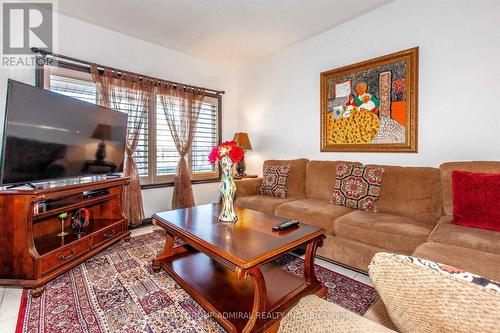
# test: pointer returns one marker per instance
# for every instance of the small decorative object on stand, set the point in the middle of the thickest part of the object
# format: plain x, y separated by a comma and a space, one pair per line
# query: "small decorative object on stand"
227, 153
244, 142
80, 220
62, 217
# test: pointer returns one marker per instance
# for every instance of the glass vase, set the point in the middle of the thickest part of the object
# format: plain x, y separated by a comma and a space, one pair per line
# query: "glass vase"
227, 191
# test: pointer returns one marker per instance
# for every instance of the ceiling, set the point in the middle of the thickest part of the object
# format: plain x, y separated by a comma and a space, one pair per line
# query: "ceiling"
231, 32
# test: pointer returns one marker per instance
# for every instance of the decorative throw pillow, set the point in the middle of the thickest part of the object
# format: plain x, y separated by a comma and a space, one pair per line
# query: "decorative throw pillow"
357, 187
423, 296
275, 180
476, 199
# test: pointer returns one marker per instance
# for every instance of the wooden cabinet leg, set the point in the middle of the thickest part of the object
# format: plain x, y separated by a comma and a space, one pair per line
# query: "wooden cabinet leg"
127, 237
37, 291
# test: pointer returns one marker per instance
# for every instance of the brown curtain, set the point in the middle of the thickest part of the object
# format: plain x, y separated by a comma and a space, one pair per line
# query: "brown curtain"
182, 105
131, 94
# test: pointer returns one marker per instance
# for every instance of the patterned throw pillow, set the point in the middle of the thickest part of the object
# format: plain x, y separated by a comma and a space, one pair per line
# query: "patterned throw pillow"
357, 187
275, 182
424, 296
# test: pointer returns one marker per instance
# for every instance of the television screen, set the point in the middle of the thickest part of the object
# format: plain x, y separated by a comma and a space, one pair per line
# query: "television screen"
48, 135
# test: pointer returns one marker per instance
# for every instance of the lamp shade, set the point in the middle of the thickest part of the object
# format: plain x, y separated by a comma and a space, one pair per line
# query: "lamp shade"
243, 140
102, 132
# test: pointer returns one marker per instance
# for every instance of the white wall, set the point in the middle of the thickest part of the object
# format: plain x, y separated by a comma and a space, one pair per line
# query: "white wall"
459, 80
86, 41
158, 199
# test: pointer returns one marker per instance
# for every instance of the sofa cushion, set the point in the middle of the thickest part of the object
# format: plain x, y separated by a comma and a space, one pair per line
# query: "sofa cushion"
478, 262
473, 238
321, 178
275, 181
476, 199
424, 296
248, 186
411, 191
445, 170
297, 175
264, 203
317, 212
357, 187
392, 232
348, 252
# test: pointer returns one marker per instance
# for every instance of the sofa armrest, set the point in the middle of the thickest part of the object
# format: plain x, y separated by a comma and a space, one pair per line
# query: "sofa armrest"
315, 315
248, 186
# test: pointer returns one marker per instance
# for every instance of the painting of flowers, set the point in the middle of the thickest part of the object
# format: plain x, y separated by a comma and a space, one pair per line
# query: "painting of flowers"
371, 106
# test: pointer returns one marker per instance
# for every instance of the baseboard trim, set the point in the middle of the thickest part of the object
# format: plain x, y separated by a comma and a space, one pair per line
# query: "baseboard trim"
145, 223
342, 264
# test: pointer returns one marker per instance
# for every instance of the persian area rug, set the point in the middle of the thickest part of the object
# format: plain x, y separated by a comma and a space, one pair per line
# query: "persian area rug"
117, 291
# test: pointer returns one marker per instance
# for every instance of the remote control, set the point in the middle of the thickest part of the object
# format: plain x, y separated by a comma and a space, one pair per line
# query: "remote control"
285, 225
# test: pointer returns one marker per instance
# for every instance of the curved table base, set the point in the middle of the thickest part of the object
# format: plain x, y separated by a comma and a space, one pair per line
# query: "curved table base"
252, 300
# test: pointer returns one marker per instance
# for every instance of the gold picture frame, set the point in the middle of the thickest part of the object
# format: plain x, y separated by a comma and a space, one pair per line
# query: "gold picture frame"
371, 106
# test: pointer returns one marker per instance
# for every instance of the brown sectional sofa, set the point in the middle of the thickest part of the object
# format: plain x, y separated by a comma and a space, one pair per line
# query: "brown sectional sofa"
414, 218
472, 249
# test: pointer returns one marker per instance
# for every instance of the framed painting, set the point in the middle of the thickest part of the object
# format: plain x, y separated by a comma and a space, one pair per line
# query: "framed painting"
371, 106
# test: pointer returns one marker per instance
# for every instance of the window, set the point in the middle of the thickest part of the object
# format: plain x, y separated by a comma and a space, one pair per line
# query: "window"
166, 153
156, 155
206, 137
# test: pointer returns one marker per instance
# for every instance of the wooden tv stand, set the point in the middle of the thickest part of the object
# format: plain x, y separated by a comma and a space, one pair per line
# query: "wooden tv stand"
31, 253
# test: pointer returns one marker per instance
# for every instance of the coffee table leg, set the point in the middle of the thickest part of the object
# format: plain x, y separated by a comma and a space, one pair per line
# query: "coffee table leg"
259, 292
310, 276
168, 251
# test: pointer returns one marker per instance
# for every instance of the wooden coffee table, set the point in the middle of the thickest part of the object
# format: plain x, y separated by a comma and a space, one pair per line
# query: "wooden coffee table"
228, 269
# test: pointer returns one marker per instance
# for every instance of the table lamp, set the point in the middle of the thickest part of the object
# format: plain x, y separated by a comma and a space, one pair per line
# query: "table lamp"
244, 142
102, 132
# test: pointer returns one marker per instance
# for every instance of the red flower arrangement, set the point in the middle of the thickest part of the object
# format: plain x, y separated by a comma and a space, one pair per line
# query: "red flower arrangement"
228, 148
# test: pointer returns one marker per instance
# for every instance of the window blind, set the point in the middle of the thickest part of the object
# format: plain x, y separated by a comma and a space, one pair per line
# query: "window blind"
82, 90
136, 115
206, 137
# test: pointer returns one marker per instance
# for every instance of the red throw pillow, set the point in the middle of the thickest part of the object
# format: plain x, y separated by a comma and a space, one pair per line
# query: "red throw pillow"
476, 199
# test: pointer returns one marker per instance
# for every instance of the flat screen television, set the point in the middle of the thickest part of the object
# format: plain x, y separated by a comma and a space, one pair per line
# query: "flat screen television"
48, 136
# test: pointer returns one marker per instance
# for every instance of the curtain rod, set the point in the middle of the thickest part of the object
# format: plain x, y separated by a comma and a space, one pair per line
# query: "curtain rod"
45, 53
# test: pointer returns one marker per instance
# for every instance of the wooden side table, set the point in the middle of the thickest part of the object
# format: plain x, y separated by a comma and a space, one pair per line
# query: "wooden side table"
245, 176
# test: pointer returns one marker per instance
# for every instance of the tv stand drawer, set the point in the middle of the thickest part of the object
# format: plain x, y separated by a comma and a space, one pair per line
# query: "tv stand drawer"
64, 255
107, 234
